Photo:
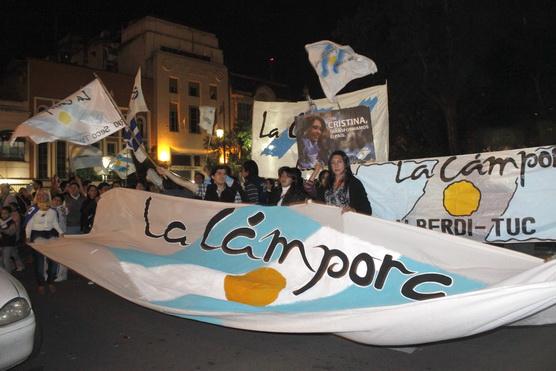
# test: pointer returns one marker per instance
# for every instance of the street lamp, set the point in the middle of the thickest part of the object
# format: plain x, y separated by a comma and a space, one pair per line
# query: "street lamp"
222, 157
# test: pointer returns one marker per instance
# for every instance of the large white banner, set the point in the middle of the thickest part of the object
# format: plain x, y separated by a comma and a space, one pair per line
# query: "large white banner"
503, 197
307, 268
274, 141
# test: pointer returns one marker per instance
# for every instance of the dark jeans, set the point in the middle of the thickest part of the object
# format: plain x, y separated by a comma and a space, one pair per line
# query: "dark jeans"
38, 262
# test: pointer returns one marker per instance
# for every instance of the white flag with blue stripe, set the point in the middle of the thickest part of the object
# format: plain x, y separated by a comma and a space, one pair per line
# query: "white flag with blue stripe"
336, 65
122, 164
85, 117
307, 268
132, 133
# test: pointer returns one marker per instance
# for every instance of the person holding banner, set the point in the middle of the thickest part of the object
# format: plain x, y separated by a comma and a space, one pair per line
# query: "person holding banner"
218, 190
313, 144
290, 190
43, 225
344, 189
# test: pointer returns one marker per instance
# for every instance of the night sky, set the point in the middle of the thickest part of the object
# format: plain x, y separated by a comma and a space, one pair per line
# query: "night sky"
250, 33
492, 63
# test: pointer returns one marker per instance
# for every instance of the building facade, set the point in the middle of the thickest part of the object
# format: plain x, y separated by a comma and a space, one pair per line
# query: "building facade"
182, 69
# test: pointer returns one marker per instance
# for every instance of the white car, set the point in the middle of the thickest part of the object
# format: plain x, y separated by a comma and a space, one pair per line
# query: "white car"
17, 322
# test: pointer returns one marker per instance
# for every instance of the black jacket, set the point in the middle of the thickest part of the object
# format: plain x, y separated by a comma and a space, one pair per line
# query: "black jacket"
292, 196
227, 195
358, 199
88, 211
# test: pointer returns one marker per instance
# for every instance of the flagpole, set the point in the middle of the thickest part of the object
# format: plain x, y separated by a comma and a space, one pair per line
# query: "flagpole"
122, 116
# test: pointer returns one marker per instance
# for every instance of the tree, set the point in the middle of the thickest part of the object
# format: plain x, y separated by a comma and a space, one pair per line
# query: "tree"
432, 55
234, 148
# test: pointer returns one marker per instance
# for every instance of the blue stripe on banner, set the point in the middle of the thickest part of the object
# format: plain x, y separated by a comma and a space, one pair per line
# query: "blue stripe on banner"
279, 146
369, 102
299, 227
351, 298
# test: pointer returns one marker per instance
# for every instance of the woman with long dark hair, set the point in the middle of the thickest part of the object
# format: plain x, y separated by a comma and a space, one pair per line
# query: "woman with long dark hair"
344, 189
290, 190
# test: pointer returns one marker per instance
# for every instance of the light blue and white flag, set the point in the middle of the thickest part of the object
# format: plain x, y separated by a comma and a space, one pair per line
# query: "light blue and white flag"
122, 164
307, 268
336, 65
82, 157
132, 133
85, 117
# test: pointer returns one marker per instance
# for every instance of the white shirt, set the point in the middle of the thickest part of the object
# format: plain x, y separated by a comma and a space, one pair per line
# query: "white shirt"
43, 221
284, 191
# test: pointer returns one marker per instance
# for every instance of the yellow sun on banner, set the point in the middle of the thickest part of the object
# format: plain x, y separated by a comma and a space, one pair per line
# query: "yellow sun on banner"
258, 288
461, 198
64, 118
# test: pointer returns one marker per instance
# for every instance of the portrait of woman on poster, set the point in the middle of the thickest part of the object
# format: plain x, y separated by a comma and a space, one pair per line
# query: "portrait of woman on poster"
314, 142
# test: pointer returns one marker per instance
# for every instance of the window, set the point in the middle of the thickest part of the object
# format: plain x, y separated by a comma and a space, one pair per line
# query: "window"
244, 112
61, 159
181, 160
42, 161
213, 92
194, 120
173, 118
197, 160
111, 149
194, 89
7, 152
173, 85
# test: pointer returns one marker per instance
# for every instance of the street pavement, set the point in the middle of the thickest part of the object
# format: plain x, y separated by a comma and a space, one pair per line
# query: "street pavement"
85, 327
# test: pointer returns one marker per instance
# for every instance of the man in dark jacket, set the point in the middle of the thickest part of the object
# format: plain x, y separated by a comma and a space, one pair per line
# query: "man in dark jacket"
218, 190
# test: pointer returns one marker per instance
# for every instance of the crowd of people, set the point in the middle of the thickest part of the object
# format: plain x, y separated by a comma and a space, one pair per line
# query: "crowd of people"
68, 207
336, 186
38, 213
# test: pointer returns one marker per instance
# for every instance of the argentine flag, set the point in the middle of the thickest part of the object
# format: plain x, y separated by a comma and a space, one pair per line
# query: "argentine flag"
122, 164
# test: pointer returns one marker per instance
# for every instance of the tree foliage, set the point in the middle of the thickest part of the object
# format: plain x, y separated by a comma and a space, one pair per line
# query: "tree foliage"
447, 62
234, 147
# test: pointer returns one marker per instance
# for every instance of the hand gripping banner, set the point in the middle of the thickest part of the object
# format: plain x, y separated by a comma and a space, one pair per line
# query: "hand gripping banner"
305, 269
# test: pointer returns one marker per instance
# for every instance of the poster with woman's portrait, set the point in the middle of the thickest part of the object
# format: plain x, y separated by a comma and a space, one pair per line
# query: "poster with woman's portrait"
348, 129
